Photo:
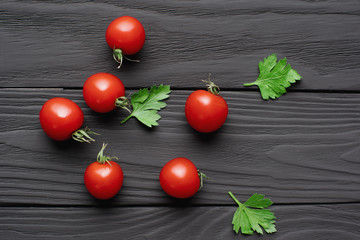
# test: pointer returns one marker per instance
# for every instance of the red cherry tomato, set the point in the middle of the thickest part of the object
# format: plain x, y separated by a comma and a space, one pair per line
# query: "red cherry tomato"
180, 178
205, 111
104, 178
60, 117
101, 90
126, 33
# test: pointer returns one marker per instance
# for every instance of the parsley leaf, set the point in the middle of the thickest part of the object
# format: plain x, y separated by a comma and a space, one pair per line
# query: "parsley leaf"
251, 215
145, 104
274, 77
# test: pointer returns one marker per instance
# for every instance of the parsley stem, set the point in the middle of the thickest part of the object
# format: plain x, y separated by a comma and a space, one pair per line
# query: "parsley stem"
234, 198
126, 119
249, 84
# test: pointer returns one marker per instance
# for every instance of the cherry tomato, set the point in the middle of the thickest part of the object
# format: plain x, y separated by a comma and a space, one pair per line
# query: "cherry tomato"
104, 178
206, 111
101, 90
180, 178
126, 33
60, 117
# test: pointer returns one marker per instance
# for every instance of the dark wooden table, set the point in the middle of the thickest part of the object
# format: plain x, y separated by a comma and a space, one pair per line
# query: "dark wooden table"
302, 150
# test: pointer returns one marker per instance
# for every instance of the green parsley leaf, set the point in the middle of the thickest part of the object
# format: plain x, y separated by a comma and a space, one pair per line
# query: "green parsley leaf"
146, 104
274, 77
251, 215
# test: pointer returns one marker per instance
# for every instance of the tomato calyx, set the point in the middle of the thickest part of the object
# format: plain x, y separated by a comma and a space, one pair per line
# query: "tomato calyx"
119, 56
201, 176
212, 87
82, 135
123, 102
102, 159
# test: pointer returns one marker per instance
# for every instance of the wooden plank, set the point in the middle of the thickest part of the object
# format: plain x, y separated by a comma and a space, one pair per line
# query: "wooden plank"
330, 222
46, 44
303, 148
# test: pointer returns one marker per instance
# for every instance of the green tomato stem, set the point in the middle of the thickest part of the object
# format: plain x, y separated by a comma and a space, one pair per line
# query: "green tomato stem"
82, 135
102, 159
202, 176
131, 60
212, 87
118, 56
123, 102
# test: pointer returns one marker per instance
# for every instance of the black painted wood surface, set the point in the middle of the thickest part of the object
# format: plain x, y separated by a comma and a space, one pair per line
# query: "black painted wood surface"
306, 144
330, 222
301, 150
57, 44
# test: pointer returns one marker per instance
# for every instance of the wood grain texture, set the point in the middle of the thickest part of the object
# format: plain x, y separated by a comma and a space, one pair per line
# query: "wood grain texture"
303, 148
58, 44
323, 222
